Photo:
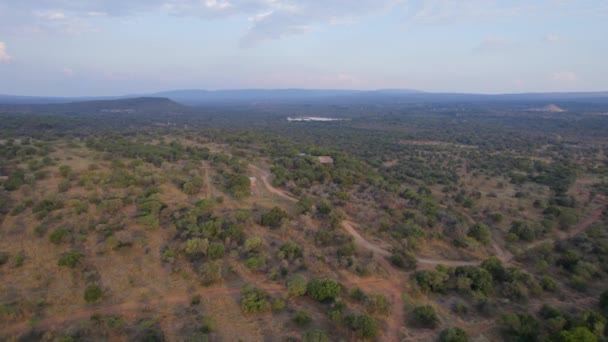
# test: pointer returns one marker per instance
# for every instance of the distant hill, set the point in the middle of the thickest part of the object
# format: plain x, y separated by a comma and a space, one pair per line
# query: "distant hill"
146, 105
198, 97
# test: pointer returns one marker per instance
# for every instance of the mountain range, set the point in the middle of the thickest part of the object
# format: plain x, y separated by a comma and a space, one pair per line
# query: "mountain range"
196, 97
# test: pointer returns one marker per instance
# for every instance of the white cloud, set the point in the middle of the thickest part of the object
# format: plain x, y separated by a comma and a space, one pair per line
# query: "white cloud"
551, 38
50, 15
494, 44
564, 76
4, 56
450, 11
68, 72
218, 4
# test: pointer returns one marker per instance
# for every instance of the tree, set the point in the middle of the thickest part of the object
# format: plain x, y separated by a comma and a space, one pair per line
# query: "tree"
70, 259
274, 217
302, 318
520, 327
253, 244
216, 250
453, 334
92, 294
196, 246
254, 300
579, 334
403, 259
296, 285
315, 336
425, 316
304, 205
363, 325
59, 235
211, 272
480, 232
495, 267
324, 289
604, 303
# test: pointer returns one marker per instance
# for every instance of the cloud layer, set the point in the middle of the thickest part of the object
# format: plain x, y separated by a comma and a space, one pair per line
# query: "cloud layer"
4, 56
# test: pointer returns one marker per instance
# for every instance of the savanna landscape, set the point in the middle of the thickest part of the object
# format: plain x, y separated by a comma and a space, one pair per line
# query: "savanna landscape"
226, 225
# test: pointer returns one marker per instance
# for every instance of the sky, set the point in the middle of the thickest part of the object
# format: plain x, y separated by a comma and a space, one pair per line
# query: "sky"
118, 47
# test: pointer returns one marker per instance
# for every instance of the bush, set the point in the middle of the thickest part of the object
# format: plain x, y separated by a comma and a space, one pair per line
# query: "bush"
290, 250
255, 262
579, 334
315, 336
4, 256
377, 303
196, 246
403, 259
425, 316
93, 294
211, 272
216, 250
453, 335
59, 235
296, 285
302, 318
253, 244
520, 327
604, 303
254, 300
324, 289
70, 259
480, 232
274, 218
363, 325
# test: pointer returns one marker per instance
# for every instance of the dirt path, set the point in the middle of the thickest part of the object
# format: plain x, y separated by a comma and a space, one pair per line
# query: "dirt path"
265, 177
591, 218
361, 241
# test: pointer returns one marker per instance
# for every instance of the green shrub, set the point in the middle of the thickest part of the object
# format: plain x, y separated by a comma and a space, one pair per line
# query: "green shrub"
254, 300
168, 256
93, 294
403, 259
425, 316
216, 250
253, 244
363, 325
196, 246
70, 259
604, 303
453, 335
18, 260
211, 272
377, 303
323, 289
520, 327
278, 304
274, 218
296, 285
59, 235
579, 334
315, 336
4, 256
290, 250
480, 232
302, 318
357, 294
256, 262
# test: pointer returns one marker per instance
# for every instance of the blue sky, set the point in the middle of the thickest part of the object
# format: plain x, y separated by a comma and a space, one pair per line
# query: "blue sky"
115, 47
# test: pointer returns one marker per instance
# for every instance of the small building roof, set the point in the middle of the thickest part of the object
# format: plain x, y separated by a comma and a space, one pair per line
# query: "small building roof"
326, 160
